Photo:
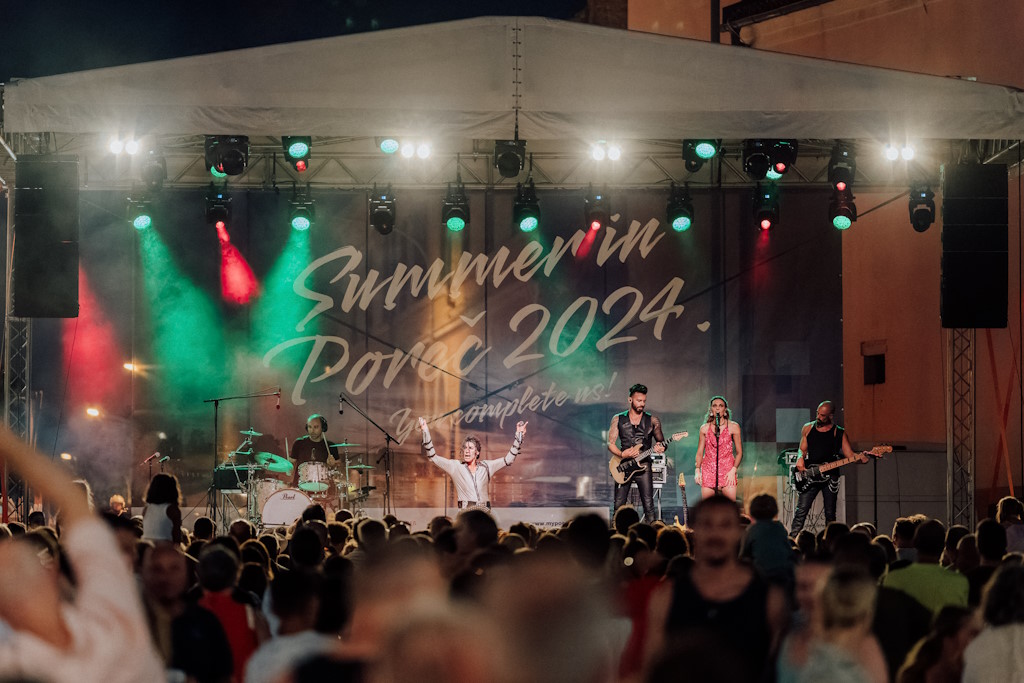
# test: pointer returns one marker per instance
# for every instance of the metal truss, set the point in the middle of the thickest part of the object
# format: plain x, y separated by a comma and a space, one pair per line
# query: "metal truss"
960, 427
357, 163
17, 361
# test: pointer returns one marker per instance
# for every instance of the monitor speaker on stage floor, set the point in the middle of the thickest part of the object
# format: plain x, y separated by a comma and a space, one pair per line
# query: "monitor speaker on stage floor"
45, 261
975, 246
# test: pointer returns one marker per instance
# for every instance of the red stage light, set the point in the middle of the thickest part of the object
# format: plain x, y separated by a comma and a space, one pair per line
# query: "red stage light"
766, 223
220, 225
595, 225
300, 165
840, 186
780, 167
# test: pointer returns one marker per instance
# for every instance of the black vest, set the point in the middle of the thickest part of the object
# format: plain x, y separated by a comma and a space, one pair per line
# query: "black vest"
823, 447
642, 434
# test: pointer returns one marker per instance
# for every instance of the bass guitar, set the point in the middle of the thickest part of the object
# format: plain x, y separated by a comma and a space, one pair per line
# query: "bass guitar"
624, 469
816, 474
682, 490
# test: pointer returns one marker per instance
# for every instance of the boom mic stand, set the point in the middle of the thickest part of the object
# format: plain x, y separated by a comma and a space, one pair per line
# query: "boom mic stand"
385, 456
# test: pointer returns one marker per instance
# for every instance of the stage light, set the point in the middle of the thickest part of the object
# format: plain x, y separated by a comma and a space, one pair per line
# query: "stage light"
595, 208
130, 367
891, 153
922, 207
842, 167
296, 150
423, 150
614, 152
115, 145
218, 207
301, 210
907, 152
696, 152
408, 150
756, 160
154, 171
140, 214
92, 412
226, 154
382, 210
131, 147
772, 174
766, 206
388, 145
455, 208
526, 210
509, 157
783, 154
66, 456
598, 151
680, 208
842, 210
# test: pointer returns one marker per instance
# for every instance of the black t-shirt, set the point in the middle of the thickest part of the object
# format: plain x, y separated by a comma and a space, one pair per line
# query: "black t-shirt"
823, 447
305, 450
200, 646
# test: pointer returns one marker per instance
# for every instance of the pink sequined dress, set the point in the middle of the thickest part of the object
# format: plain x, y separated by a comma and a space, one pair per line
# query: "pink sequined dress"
724, 452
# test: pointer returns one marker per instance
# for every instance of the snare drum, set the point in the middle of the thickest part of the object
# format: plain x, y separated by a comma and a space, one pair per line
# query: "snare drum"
284, 507
314, 477
265, 488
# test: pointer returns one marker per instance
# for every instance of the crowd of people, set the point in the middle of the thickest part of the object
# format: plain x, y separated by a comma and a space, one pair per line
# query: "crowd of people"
728, 597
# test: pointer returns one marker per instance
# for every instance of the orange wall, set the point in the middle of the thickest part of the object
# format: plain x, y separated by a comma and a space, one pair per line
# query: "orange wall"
890, 272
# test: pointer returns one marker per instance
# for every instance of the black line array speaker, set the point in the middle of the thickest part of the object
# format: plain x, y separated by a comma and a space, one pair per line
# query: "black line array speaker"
45, 237
975, 246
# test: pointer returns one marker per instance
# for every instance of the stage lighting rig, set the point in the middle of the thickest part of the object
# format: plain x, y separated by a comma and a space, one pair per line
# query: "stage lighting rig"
680, 208
922, 207
218, 206
841, 209
526, 210
596, 208
510, 156
227, 154
766, 206
783, 155
296, 151
756, 160
696, 152
154, 171
842, 167
301, 210
140, 213
382, 210
455, 208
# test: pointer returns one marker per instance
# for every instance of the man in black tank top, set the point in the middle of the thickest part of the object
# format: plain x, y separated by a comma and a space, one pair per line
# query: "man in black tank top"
636, 431
737, 617
821, 442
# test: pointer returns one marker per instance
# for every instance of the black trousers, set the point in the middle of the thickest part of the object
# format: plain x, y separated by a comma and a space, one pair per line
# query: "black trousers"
806, 500
645, 485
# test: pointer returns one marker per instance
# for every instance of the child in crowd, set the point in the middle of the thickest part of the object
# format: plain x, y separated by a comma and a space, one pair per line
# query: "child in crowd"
161, 520
767, 545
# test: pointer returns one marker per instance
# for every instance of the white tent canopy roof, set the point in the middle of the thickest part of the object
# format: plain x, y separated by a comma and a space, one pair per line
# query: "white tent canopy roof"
458, 79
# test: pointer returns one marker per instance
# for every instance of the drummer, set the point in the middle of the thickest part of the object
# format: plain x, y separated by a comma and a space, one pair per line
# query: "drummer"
311, 448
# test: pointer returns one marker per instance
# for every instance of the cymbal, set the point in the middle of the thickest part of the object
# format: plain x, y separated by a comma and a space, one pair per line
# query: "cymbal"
274, 462
359, 467
251, 432
344, 445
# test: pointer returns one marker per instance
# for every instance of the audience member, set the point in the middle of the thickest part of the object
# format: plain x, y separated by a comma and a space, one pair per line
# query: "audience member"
924, 580
997, 654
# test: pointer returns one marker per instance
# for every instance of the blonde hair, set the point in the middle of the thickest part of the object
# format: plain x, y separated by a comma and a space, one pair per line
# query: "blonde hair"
848, 598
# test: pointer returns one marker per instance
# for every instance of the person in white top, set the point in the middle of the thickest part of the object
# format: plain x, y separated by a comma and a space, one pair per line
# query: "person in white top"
99, 637
472, 476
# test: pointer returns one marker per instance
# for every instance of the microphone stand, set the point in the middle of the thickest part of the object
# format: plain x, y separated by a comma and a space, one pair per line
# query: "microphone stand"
212, 492
385, 456
718, 431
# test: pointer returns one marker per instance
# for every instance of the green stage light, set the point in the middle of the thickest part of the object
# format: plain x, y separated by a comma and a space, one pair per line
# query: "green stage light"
296, 150
302, 210
455, 207
389, 145
680, 208
140, 213
526, 210
226, 154
706, 149
842, 210
142, 221
696, 152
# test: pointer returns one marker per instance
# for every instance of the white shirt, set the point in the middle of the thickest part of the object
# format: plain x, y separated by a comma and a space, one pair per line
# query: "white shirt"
997, 654
109, 637
156, 525
473, 486
279, 655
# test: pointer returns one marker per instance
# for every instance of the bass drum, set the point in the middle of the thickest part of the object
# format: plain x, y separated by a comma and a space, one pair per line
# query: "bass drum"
284, 507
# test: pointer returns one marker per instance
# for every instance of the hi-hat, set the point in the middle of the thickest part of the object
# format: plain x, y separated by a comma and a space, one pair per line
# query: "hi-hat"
251, 432
344, 445
274, 462
359, 467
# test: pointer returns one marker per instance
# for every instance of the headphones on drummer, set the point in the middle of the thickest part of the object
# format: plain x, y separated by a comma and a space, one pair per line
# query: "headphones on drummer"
323, 422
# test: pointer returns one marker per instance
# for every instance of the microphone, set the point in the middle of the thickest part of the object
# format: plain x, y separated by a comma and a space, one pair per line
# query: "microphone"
155, 455
163, 459
278, 394
341, 404
718, 422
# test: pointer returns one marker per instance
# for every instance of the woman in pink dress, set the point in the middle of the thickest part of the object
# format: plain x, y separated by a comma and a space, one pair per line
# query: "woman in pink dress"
719, 444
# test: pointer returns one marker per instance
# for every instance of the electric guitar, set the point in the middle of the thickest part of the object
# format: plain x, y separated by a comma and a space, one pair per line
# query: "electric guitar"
624, 469
682, 490
816, 474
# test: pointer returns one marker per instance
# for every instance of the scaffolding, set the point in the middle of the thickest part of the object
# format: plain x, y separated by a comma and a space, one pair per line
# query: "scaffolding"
960, 427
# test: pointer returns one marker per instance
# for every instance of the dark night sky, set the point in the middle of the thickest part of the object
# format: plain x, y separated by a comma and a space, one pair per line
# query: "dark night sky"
59, 36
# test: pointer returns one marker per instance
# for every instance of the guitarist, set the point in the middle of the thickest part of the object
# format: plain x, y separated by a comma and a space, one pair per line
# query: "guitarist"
821, 442
636, 431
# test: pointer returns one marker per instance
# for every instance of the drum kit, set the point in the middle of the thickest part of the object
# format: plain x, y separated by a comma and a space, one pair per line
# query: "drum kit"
271, 501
